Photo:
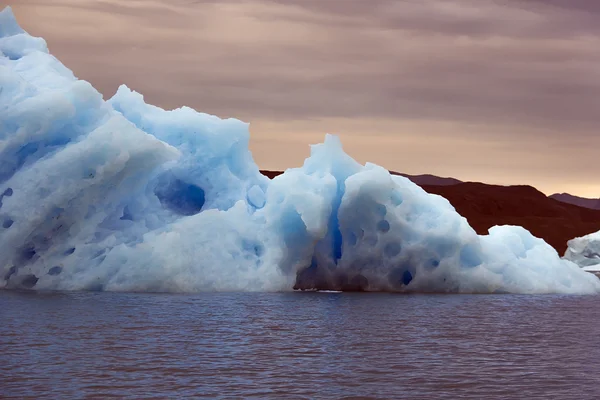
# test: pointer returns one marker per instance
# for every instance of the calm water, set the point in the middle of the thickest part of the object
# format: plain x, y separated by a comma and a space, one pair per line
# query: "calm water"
298, 345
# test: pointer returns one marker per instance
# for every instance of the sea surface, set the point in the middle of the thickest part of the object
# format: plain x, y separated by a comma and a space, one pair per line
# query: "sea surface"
298, 345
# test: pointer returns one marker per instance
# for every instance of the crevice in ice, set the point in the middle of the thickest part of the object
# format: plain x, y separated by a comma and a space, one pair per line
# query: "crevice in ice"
337, 242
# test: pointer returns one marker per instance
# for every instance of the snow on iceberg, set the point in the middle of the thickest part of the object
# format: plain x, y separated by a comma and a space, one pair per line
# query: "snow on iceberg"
585, 252
121, 195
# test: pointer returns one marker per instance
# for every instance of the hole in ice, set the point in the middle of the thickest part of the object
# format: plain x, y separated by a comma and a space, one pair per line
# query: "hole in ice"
69, 251
29, 281
380, 210
7, 193
392, 249
383, 226
434, 263
401, 276
28, 252
55, 270
10, 272
126, 214
181, 197
407, 277
7, 223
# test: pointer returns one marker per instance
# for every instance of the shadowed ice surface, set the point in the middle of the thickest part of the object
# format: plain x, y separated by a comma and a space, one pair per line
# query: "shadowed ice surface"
298, 346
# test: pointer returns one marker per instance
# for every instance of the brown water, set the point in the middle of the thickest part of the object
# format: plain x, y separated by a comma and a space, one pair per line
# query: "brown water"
298, 345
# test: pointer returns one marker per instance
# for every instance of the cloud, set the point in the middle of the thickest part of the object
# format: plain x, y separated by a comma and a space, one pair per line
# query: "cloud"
475, 60
522, 70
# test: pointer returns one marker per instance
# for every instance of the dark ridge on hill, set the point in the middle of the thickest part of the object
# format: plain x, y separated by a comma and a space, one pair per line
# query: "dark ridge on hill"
426, 179
576, 200
486, 205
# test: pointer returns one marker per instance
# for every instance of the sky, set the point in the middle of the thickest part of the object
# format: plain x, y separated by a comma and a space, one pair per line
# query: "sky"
504, 92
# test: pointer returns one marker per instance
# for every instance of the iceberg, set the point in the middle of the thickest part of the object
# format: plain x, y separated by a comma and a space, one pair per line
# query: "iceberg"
585, 252
120, 195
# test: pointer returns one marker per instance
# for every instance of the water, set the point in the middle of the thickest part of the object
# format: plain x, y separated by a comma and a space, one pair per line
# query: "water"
298, 345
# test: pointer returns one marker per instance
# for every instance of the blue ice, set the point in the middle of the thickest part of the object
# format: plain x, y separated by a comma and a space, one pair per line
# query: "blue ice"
120, 195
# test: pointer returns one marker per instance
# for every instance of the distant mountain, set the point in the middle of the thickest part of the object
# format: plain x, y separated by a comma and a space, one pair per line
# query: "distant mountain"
594, 204
428, 179
552, 219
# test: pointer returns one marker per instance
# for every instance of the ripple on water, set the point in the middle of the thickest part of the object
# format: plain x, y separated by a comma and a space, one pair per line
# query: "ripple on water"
298, 345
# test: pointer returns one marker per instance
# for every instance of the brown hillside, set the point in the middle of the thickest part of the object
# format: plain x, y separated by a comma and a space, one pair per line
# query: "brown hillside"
487, 205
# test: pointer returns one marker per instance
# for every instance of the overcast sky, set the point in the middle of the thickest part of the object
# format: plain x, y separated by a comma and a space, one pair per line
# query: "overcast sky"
497, 91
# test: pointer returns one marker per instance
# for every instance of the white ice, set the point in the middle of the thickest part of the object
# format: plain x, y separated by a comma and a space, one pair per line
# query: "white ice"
124, 196
585, 252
